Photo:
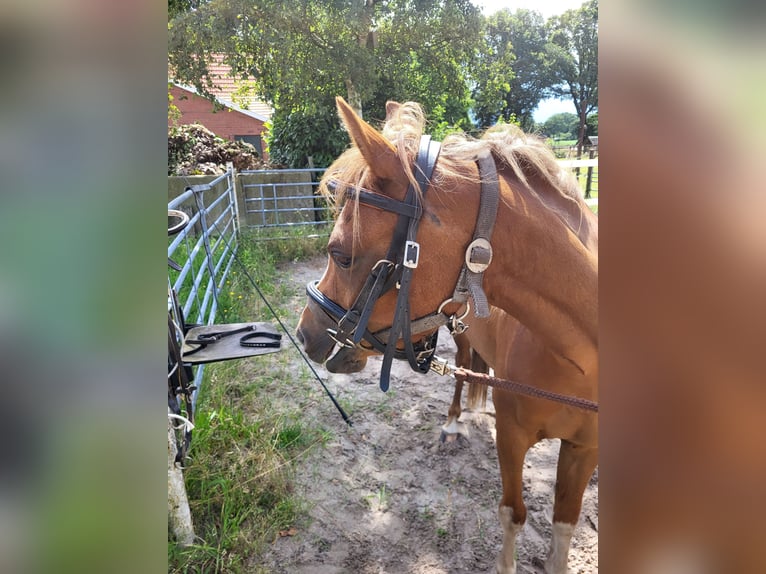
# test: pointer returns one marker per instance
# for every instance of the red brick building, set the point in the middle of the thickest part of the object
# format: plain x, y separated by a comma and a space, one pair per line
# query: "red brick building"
241, 118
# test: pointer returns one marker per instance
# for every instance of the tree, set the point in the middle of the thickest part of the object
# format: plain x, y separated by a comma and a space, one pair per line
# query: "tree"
574, 49
304, 53
592, 125
561, 126
424, 49
516, 69
177, 7
307, 138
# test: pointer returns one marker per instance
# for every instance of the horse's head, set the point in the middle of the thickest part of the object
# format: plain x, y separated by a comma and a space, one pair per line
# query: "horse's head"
372, 185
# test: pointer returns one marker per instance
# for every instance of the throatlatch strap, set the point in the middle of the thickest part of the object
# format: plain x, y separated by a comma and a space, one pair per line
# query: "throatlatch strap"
479, 253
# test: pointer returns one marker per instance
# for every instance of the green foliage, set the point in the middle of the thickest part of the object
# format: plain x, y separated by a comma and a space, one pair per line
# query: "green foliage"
561, 126
177, 7
174, 114
440, 53
592, 125
424, 49
574, 50
304, 54
515, 69
296, 135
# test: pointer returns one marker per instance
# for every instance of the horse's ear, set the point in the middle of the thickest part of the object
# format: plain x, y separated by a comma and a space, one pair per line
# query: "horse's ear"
377, 151
391, 108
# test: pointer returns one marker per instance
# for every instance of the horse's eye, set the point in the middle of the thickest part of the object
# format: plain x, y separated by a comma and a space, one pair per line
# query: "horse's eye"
341, 259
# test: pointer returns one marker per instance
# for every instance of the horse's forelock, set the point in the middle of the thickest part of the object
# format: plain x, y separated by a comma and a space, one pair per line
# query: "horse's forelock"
404, 127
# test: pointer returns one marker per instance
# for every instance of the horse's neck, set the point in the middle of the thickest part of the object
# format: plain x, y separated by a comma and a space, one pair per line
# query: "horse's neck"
544, 273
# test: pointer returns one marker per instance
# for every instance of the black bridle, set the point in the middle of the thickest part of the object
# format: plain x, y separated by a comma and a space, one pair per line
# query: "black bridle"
396, 271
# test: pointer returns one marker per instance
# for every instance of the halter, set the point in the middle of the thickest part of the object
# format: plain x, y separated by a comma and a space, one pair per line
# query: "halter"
396, 271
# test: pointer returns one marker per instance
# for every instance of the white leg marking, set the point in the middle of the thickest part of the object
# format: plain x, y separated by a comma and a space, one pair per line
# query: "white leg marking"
451, 427
557, 558
506, 560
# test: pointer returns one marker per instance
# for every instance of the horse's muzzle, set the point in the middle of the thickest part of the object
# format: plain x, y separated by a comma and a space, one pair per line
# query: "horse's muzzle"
347, 360
312, 333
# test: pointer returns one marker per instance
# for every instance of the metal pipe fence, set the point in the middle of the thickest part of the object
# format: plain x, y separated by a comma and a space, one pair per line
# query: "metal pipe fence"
284, 199
205, 251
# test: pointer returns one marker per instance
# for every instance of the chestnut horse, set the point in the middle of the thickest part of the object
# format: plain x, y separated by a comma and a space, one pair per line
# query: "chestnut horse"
398, 252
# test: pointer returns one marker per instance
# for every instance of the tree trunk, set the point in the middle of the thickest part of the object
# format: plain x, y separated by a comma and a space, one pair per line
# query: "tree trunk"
354, 99
581, 118
365, 36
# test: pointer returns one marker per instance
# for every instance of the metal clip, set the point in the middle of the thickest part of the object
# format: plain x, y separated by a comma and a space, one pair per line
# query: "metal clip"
333, 334
454, 323
456, 326
425, 354
441, 367
411, 254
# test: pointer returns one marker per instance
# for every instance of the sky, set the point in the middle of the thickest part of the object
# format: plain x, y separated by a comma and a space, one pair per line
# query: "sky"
547, 8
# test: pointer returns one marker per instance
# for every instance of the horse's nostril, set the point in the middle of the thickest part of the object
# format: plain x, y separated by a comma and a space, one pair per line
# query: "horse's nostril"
299, 334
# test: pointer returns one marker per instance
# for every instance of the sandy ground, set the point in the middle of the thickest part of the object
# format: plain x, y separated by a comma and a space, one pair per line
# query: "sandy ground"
386, 496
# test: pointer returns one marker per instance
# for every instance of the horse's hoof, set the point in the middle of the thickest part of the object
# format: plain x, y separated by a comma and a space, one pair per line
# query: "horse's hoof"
448, 437
451, 432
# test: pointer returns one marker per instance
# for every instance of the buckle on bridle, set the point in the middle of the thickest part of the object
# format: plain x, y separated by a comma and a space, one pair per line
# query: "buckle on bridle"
411, 254
478, 255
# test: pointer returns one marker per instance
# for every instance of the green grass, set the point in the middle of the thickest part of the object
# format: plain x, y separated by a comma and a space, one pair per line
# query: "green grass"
582, 178
251, 427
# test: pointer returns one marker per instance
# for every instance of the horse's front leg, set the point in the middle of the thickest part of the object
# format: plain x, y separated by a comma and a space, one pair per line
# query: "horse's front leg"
575, 467
451, 428
512, 446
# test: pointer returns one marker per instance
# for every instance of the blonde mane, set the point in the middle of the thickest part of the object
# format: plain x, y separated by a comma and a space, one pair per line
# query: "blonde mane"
525, 155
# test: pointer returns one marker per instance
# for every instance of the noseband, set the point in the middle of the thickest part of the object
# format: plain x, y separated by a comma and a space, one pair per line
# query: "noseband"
396, 271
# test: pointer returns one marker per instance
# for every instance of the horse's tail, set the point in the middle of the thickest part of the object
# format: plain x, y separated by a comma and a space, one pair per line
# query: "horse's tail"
477, 393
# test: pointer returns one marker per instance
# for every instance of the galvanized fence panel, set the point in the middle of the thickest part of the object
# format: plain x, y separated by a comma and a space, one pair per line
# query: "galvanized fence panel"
205, 250
274, 200
278, 200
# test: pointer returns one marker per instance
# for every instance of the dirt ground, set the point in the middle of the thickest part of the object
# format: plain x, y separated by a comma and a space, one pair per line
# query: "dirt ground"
387, 497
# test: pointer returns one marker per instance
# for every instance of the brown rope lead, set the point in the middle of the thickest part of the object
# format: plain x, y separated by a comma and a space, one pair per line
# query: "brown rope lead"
522, 389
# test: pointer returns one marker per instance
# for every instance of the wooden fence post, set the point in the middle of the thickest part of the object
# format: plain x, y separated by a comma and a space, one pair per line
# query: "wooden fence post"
179, 515
590, 174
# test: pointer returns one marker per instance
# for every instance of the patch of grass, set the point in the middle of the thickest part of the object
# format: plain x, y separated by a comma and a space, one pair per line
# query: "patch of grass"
427, 513
292, 244
239, 484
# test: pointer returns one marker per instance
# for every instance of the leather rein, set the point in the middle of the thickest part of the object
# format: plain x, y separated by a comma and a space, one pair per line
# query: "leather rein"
395, 271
